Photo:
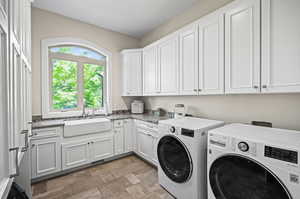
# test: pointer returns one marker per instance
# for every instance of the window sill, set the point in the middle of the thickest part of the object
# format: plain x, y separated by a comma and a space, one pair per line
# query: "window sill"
70, 114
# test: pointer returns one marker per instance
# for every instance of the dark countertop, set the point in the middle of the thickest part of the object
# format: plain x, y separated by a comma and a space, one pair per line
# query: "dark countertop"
60, 122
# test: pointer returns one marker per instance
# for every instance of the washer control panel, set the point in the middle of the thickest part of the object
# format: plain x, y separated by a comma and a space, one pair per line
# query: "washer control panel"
281, 154
244, 146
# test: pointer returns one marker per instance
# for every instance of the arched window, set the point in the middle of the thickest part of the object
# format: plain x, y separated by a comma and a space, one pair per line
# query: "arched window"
75, 78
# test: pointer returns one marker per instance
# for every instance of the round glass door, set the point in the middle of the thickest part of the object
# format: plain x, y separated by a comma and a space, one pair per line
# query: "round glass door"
236, 177
174, 159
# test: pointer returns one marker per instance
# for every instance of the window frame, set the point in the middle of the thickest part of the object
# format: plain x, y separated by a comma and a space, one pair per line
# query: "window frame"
47, 110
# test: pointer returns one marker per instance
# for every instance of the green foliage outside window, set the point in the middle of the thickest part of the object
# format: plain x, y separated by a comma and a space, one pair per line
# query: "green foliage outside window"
67, 90
93, 85
64, 84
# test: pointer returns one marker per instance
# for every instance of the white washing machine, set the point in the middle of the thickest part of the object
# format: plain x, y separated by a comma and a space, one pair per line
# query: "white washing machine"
250, 162
181, 152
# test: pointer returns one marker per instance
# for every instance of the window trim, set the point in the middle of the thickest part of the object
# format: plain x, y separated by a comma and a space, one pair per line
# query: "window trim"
47, 112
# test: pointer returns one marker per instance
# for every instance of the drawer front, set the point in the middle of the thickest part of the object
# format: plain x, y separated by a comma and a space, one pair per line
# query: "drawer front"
118, 123
147, 125
46, 133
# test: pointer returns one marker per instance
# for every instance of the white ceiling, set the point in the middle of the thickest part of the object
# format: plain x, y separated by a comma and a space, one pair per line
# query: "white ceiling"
132, 17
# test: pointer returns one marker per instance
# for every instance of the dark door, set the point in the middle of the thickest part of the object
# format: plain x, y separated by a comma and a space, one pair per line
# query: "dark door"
236, 177
174, 159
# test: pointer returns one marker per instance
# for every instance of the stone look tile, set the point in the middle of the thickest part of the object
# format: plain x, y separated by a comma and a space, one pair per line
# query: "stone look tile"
126, 178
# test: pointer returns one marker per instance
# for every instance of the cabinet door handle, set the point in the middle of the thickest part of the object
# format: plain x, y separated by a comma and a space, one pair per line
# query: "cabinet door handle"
33, 145
195, 90
255, 87
16, 162
265, 86
25, 148
200, 90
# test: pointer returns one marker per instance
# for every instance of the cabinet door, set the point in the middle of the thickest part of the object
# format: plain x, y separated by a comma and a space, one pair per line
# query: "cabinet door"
45, 157
119, 140
150, 71
128, 135
280, 46
102, 148
189, 61
154, 148
168, 66
134, 136
15, 89
4, 144
145, 144
242, 47
132, 73
75, 154
211, 55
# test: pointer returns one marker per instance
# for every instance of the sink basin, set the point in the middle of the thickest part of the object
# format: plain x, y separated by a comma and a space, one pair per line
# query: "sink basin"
86, 126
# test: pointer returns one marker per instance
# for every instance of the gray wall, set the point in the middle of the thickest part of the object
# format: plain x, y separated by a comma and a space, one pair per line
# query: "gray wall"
283, 110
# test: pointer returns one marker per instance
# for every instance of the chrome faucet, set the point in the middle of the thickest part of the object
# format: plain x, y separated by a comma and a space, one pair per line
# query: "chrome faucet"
84, 114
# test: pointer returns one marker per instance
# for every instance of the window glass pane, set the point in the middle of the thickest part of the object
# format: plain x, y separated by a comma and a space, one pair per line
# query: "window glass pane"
77, 51
93, 85
64, 84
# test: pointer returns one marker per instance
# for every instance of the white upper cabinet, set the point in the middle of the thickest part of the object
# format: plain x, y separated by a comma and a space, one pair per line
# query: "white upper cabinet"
168, 64
211, 55
280, 46
150, 71
189, 61
242, 47
132, 72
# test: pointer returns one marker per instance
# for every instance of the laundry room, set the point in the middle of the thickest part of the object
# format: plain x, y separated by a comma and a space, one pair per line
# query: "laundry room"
161, 99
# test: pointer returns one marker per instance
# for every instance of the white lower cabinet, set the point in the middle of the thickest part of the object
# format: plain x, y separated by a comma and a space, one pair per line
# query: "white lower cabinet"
45, 157
51, 153
145, 144
80, 153
147, 137
154, 148
128, 135
119, 140
75, 154
101, 148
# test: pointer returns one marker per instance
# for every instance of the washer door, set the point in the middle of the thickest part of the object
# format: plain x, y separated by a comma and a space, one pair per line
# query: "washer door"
236, 177
174, 159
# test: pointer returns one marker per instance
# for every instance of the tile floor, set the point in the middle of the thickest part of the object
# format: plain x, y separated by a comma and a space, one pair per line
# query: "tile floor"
126, 178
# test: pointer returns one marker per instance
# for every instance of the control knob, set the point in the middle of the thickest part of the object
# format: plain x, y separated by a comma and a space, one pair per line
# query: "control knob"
172, 129
243, 146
